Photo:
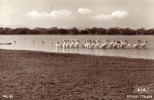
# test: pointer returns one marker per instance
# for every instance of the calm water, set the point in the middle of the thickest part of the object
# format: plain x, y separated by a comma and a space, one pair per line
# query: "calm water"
24, 42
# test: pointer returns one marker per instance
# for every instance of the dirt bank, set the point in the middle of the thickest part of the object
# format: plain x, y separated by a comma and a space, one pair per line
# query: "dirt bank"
29, 75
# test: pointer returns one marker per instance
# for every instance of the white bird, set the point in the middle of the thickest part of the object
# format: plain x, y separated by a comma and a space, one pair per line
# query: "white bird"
61, 44
83, 45
111, 44
68, 44
123, 44
88, 42
57, 44
76, 44
97, 44
143, 45
72, 44
92, 44
64, 44
104, 45
136, 45
115, 45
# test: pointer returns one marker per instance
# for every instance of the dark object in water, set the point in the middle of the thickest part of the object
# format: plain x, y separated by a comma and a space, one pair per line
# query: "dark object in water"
5, 43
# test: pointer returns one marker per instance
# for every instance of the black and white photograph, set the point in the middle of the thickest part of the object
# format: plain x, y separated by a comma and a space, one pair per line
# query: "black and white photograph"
76, 49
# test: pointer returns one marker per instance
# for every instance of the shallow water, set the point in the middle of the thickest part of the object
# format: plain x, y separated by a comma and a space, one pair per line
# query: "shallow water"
24, 42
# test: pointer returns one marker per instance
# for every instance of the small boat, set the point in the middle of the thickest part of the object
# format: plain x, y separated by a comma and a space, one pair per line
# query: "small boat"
5, 43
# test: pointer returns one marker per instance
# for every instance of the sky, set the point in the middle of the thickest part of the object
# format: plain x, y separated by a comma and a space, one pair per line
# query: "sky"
77, 13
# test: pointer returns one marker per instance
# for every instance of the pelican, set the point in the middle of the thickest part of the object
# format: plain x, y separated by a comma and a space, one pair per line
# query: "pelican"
88, 42
92, 45
61, 44
127, 43
123, 44
68, 44
84, 43
64, 44
57, 44
72, 44
137, 44
97, 44
111, 44
118, 43
115, 45
76, 44
104, 45
143, 45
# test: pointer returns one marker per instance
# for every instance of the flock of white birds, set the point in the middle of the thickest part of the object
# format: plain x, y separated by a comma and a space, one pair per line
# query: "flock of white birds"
94, 44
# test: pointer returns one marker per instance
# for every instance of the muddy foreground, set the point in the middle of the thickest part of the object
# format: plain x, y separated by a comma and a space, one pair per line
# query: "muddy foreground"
29, 75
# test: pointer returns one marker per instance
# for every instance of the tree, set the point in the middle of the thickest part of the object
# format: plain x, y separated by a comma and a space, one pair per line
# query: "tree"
112, 31
21, 31
2, 31
93, 30
62, 31
73, 31
84, 32
140, 31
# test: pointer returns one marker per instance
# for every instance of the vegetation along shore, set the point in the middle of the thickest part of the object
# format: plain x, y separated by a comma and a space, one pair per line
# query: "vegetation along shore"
76, 31
32, 75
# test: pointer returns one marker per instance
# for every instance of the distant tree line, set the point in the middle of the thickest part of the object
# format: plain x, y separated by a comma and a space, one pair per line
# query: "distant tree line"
75, 31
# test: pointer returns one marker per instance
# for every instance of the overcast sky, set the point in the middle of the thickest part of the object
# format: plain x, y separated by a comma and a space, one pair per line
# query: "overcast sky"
77, 13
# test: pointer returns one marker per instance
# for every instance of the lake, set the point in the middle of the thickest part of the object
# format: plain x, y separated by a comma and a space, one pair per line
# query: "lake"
25, 42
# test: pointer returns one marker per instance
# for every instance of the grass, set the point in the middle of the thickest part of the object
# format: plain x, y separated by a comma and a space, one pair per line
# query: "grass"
29, 75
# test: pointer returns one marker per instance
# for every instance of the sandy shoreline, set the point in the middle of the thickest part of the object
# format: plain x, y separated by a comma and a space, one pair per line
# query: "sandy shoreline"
38, 75
76, 53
